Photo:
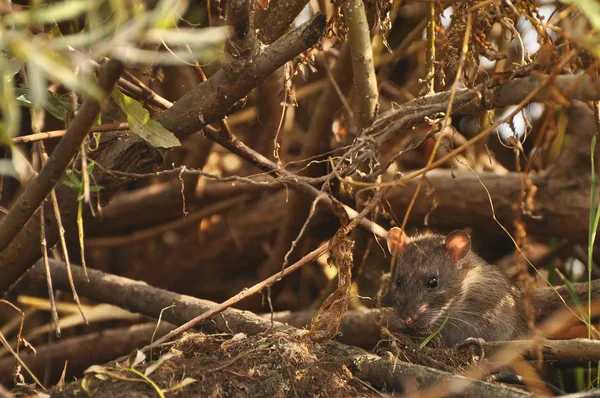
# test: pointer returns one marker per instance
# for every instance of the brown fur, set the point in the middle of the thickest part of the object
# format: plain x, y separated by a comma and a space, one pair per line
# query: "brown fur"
477, 298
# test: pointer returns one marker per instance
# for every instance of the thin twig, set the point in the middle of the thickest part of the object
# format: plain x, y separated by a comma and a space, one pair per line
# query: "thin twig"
61, 232
59, 133
430, 49
239, 148
53, 311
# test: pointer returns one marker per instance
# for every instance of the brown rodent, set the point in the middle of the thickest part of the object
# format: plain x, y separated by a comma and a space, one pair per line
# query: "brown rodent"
435, 277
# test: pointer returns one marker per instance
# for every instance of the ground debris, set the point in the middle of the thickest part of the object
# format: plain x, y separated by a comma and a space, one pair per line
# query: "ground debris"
268, 365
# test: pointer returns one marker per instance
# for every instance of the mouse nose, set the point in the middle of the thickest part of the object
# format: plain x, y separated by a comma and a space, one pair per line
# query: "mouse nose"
408, 320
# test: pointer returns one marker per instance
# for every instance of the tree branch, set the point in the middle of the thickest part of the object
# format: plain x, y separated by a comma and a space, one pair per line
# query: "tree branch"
458, 199
363, 68
216, 97
488, 95
280, 15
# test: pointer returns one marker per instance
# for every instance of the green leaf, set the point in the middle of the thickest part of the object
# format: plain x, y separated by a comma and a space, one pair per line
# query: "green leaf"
55, 66
90, 166
71, 185
10, 115
74, 179
56, 105
141, 123
88, 37
432, 335
36, 79
65, 75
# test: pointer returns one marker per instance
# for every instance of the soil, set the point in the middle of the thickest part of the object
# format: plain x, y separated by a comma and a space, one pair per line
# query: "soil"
273, 365
266, 365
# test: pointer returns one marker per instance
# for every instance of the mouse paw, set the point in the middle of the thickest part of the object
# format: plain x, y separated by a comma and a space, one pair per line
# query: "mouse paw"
477, 342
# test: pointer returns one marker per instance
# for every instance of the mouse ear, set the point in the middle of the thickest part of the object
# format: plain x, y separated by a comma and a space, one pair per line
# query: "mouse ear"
457, 245
396, 241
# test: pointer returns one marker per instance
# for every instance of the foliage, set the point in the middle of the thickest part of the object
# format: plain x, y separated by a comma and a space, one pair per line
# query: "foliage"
106, 28
141, 123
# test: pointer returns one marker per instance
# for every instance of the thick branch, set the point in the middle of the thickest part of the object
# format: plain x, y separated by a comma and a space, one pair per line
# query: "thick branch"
560, 197
392, 374
460, 199
546, 300
573, 352
216, 97
572, 87
488, 95
363, 68
139, 297
281, 14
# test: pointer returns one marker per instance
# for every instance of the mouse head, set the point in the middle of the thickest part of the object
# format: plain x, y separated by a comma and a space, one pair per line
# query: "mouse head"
457, 244
426, 275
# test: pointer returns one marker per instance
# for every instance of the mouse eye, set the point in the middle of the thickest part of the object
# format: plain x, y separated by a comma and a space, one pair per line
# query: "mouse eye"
432, 282
398, 282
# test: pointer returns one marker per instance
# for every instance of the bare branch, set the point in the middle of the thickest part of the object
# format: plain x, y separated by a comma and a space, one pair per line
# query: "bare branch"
363, 69
216, 97
281, 14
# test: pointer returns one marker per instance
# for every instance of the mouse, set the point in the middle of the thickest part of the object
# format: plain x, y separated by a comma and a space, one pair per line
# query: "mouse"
438, 280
